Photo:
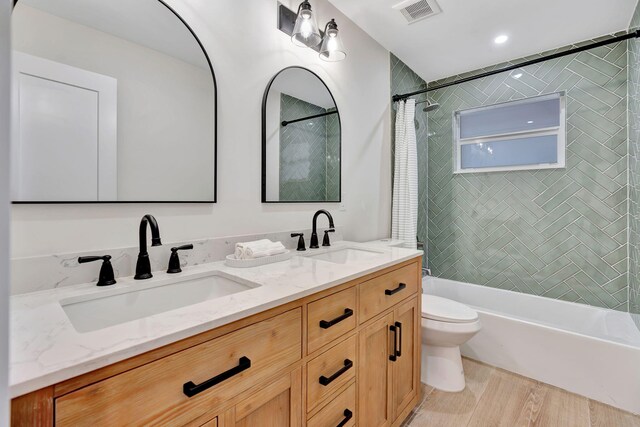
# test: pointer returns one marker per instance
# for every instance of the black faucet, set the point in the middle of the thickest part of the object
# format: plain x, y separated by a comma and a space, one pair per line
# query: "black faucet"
106, 276
174, 259
143, 266
314, 234
325, 240
300, 237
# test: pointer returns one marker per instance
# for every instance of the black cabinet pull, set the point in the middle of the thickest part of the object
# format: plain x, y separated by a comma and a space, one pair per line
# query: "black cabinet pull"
399, 349
190, 389
348, 364
400, 287
326, 324
394, 356
347, 416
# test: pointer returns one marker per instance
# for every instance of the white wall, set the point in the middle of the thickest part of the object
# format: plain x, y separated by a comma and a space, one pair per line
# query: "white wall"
247, 50
4, 209
165, 105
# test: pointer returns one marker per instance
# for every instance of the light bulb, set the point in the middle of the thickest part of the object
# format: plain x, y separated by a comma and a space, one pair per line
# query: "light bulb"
306, 29
332, 49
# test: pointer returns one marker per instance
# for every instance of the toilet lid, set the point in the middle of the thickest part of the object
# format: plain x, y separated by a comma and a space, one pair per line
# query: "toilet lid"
446, 310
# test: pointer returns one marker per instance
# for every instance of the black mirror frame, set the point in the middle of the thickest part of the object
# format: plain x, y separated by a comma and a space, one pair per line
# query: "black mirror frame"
215, 138
264, 141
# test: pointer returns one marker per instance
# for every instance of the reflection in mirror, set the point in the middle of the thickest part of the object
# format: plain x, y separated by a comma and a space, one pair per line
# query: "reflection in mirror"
114, 101
300, 139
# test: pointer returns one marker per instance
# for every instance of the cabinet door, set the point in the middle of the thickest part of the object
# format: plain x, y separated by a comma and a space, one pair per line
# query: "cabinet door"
406, 374
279, 404
211, 423
374, 374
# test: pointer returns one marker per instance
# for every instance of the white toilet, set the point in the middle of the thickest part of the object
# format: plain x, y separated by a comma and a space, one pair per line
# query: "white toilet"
446, 325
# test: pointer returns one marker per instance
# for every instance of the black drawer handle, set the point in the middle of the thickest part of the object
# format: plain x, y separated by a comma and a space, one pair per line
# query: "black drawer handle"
399, 349
326, 324
394, 353
348, 364
347, 416
191, 389
400, 287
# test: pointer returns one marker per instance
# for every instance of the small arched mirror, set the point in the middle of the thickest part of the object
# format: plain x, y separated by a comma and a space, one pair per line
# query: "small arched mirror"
301, 139
114, 101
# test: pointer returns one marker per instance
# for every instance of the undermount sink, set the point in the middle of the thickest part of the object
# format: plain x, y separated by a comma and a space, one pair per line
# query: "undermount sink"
91, 313
346, 255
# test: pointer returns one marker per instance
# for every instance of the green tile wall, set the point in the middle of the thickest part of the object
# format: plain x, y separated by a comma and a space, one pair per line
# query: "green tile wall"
634, 170
403, 80
333, 157
556, 233
309, 153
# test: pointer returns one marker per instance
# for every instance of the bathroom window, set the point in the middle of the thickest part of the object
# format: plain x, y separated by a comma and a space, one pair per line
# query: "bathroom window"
515, 135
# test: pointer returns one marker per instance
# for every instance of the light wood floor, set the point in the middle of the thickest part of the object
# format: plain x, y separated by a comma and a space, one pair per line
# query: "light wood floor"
495, 397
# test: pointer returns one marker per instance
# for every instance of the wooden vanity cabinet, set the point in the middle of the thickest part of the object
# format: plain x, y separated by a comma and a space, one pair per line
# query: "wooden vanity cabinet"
347, 356
405, 375
277, 404
376, 373
389, 363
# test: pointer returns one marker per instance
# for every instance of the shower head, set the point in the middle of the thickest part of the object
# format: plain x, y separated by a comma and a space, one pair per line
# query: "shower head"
431, 107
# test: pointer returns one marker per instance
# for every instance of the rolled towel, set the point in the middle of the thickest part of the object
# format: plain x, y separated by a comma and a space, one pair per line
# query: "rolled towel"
258, 249
241, 247
274, 248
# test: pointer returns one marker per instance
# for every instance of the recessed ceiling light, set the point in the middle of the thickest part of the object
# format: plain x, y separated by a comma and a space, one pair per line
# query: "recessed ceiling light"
530, 122
517, 76
501, 39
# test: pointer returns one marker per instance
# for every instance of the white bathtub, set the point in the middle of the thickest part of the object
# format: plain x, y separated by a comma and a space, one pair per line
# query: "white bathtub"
587, 350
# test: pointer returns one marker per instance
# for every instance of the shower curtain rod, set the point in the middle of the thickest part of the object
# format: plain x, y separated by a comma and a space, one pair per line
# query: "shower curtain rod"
634, 34
288, 122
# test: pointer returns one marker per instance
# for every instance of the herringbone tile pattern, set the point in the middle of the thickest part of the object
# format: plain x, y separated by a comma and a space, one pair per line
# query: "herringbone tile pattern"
634, 171
333, 158
403, 80
304, 161
557, 233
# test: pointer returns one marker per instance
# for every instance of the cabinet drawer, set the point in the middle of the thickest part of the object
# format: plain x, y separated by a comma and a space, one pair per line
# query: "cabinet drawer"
342, 409
330, 371
383, 292
331, 317
157, 393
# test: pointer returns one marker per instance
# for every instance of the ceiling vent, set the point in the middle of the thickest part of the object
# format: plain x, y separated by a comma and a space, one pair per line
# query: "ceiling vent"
417, 10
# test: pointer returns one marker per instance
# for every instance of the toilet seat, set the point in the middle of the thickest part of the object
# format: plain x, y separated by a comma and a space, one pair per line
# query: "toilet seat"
446, 310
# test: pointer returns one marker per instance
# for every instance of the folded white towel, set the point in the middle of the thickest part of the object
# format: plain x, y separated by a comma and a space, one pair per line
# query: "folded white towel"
255, 243
241, 247
258, 249
267, 250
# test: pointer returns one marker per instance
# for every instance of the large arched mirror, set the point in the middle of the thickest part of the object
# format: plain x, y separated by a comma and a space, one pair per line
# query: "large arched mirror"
301, 139
114, 101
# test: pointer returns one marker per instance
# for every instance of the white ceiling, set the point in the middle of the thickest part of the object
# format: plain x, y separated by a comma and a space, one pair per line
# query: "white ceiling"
145, 22
461, 37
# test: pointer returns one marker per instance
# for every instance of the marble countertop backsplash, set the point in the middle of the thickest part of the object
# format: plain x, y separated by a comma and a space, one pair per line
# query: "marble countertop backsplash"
40, 273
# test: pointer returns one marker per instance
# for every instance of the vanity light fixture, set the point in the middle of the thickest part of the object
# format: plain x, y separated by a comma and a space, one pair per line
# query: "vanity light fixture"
332, 49
306, 32
302, 26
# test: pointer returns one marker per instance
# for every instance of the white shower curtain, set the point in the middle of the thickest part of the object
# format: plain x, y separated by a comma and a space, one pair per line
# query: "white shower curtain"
405, 180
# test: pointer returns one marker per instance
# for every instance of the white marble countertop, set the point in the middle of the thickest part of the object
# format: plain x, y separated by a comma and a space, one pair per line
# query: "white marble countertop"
46, 349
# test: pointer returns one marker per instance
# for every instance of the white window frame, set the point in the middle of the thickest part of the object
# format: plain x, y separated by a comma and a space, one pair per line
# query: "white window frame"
560, 131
